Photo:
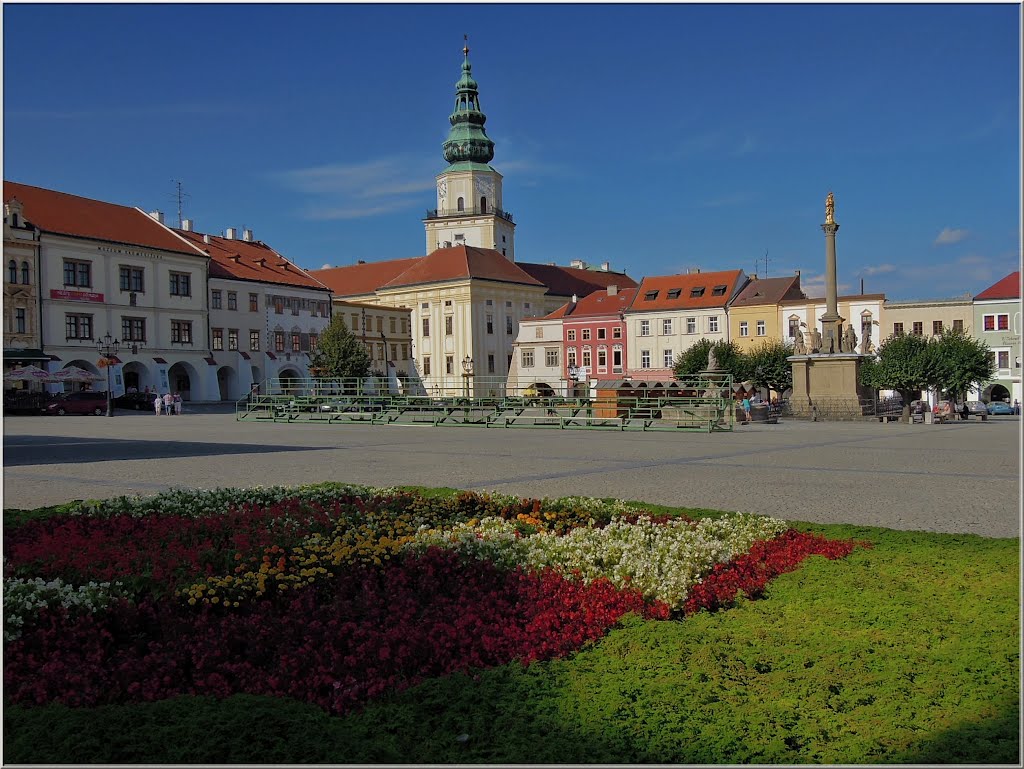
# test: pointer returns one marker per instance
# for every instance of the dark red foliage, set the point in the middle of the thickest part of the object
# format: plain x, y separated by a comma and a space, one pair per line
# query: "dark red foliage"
378, 630
751, 572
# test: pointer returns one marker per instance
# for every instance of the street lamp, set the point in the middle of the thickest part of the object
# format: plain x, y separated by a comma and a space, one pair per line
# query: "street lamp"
573, 375
467, 372
108, 348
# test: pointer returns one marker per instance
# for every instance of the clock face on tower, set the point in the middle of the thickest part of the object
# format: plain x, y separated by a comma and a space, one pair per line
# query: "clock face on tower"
486, 189
442, 190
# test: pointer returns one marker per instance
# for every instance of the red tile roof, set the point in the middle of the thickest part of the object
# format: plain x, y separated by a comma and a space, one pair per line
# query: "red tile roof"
596, 304
566, 281
362, 278
255, 260
459, 262
64, 214
666, 286
1007, 288
769, 291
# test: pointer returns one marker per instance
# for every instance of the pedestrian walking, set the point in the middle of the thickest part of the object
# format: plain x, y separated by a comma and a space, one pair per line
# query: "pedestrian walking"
168, 404
746, 408
158, 404
177, 404
1016, 407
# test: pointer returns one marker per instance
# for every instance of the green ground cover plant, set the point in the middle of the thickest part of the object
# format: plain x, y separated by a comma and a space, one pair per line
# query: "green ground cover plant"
905, 652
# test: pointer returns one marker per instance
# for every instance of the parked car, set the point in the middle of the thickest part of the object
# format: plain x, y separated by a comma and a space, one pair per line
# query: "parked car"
976, 408
998, 407
85, 402
135, 401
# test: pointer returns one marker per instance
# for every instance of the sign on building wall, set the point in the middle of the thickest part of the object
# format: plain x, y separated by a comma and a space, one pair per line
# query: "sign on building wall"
75, 296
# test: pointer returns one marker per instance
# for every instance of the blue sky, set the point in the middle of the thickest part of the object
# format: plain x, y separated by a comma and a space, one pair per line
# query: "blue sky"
656, 137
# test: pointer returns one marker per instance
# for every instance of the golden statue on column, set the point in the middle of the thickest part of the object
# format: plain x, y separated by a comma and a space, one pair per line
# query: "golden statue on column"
830, 209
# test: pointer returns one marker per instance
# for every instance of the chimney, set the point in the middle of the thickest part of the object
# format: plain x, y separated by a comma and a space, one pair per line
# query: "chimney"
361, 261
798, 273
862, 286
230, 233
613, 290
206, 239
605, 266
578, 264
574, 299
247, 236
753, 276
186, 225
158, 215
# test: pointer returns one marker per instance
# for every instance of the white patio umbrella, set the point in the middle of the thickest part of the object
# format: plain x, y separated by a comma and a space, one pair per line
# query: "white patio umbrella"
28, 374
75, 374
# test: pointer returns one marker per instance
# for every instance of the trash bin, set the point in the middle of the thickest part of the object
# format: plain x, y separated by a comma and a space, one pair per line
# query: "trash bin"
759, 412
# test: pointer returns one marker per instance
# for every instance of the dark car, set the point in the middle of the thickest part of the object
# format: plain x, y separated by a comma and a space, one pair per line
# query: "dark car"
998, 407
977, 408
135, 401
85, 402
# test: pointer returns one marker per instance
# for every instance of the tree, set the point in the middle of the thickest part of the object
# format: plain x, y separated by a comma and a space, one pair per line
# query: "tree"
959, 363
769, 367
729, 357
339, 354
904, 364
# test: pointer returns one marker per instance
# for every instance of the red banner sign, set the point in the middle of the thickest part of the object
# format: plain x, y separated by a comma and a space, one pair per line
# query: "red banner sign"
75, 296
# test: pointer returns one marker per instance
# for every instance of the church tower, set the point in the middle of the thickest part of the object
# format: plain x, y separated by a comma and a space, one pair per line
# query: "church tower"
469, 207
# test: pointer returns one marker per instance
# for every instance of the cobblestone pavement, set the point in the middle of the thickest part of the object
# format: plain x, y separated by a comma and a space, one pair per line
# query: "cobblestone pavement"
961, 477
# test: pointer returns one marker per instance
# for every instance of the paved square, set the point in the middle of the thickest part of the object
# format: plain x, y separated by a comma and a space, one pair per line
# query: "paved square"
962, 477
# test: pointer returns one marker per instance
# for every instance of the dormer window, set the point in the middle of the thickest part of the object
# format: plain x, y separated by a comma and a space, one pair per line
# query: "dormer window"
673, 293
718, 290
650, 296
696, 292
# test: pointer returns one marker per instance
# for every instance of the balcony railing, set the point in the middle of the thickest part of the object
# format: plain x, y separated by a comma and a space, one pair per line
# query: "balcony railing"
448, 213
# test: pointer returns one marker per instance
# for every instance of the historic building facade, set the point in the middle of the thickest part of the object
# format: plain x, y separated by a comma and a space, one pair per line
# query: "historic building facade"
754, 313
997, 322
862, 311
22, 338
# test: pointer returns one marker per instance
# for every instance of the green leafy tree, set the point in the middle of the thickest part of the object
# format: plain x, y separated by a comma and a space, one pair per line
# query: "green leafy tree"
730, 359
339, 354
959, 363
904, 364
769, 367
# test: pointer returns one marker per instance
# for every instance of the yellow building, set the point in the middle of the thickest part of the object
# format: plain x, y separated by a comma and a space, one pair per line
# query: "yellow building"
754, 313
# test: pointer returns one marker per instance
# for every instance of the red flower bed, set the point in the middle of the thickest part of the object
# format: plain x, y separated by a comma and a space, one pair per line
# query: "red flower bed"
376, 630
751, 572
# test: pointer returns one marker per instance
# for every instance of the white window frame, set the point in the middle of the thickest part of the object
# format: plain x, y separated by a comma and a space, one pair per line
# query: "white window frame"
645, 328
712, 324
762, 328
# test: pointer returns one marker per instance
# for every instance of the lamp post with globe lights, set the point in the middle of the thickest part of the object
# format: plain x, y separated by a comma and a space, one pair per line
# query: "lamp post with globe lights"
108, 348
467, 372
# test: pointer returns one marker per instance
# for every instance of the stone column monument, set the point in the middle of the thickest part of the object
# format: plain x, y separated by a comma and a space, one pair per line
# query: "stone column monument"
826, 371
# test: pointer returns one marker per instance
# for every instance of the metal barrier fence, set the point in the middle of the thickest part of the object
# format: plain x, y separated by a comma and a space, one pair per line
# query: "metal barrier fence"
691, 405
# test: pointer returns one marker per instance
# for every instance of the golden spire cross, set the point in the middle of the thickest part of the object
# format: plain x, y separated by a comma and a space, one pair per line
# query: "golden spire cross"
465, 47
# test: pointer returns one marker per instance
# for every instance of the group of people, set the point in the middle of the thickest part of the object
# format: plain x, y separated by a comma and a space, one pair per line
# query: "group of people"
167, 403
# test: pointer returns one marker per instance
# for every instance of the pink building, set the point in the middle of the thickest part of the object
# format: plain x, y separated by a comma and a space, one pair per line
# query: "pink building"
594, 333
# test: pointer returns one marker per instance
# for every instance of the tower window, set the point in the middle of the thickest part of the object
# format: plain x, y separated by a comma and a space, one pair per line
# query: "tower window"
483, 205
460, 204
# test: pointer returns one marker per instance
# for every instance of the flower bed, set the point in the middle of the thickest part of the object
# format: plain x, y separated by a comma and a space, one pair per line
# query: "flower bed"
336, 594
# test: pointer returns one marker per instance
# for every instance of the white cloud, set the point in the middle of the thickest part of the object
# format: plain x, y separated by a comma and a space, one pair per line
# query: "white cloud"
814, 286
325, 213
950, 235
878, 269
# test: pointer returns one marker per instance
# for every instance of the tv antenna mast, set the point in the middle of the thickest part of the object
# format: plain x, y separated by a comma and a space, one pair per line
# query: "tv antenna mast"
179, 196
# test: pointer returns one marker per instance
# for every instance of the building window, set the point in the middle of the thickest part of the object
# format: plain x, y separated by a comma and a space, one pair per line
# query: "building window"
645, 328
232, 300
650, 296
314, 340
691, 325
449, 364
508, 325
666, 327
296, 341
254, 340
254, 303
448, 324
181, 332
1004, 359
936, 327
744, 330
958, 325
602, 333
585, 334
994, 322
394, 352
380, 323
538, 333
355, 322
78, 326
460, 205
131, 279
19, 320
719, 290
713, 324
617, 332
181, 284
405, 352
215, 303
602, 358
696, 292
586, 358
133, 329
12, 272
217, 338
571, 335
761, 329
897, 328
278, 341
232, 338
570, 356
667, 358
527, 358
673, 293
426, 327
645, 359
508, 304
77, 274
490, 364
551, 357
918, 328
405, 325
794, 326
392, 323
617, 359
490, 324
426, 365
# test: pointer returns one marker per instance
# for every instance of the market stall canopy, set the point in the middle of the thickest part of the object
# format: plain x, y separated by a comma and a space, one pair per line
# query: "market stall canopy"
29, 374
75, 374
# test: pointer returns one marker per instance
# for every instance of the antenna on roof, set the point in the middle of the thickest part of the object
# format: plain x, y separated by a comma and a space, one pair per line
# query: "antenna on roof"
179, 195
766, 262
